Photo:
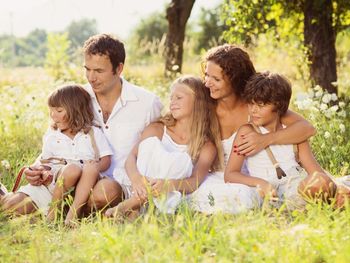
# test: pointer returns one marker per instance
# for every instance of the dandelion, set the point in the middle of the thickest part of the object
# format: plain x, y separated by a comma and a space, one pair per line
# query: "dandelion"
342, 128
327, 134
6, 164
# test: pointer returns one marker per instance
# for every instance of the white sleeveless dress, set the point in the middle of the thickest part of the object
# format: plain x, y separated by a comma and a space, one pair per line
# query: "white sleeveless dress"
164, 159
214, 195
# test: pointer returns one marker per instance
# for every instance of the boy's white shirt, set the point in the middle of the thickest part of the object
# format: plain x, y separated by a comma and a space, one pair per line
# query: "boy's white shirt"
133, 111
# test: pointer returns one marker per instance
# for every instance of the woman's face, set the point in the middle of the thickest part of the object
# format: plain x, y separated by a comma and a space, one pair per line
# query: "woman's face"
216, 81
181, 101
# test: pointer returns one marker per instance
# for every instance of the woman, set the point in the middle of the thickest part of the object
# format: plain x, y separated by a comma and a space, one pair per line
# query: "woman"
227, 69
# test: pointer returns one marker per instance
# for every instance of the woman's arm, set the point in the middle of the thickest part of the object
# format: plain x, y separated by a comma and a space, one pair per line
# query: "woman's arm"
298, 130
199, 172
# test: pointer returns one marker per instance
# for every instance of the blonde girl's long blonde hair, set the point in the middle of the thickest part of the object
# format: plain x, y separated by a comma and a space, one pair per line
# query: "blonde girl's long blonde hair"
77, 103
204, 123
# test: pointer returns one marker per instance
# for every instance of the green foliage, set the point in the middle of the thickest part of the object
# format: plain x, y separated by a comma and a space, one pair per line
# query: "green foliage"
81, 30
147, 39
211, 28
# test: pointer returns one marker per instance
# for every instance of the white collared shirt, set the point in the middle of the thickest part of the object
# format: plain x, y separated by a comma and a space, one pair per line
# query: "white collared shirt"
133, 111
57, 144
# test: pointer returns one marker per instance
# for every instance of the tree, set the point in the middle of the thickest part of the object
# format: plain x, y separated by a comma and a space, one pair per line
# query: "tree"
315, 23
177, 15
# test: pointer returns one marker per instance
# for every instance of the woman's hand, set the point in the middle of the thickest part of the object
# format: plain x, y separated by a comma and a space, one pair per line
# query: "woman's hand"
252, 143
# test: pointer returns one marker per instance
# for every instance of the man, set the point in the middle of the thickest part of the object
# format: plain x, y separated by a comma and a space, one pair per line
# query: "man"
122, 110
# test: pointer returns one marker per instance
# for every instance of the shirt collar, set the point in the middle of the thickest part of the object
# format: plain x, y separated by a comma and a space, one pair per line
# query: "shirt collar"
127, 94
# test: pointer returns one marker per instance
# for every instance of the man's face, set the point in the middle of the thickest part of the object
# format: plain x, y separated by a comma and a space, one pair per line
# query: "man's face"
99, 73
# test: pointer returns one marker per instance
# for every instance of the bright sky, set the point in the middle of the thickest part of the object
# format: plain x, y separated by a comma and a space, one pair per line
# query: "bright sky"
113, 16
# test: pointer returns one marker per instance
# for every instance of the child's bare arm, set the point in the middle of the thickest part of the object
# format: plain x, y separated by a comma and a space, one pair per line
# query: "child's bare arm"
233, 169
307, 158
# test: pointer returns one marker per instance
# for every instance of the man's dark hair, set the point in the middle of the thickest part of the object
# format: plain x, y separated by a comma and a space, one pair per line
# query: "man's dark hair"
107, 45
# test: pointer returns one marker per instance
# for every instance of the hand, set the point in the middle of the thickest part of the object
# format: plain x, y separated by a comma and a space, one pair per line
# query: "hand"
34, 175
139, 188
47, 177
252, 143
159, 186
265, 189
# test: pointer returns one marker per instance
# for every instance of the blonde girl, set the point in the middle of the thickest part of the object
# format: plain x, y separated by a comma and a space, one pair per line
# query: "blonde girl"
74, 153
175, 153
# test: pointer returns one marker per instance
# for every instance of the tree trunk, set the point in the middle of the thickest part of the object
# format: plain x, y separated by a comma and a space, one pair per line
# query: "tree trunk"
177, 15
319, 39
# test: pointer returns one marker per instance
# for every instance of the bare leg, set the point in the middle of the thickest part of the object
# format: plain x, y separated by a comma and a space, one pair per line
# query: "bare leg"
18, 204
106, 192
67, 179
125, 208
82, 191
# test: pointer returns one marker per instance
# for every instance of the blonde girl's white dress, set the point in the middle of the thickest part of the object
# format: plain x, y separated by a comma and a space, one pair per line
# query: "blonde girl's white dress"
164, 159
214, 195
259, 165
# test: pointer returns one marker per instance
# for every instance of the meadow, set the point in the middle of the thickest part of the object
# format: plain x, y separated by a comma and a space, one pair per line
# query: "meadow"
317, 234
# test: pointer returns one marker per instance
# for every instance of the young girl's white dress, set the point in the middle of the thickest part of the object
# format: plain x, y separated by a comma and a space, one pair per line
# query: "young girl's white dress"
259, 165
76, 150
164, 159
214, 195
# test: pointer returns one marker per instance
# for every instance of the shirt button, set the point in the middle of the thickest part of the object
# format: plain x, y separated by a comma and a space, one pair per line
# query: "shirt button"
73, 144
106, 127
99, 111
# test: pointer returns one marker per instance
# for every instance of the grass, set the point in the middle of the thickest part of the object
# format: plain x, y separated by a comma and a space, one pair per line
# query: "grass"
318, 234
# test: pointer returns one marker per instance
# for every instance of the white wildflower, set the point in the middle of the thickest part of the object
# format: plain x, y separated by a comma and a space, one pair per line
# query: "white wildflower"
6, 164
341, 104
317, 88
327, 134
323, 106
334, 97
318, 93
334, 108
342, 128
301, 96
326, 98
311, 93
334, 148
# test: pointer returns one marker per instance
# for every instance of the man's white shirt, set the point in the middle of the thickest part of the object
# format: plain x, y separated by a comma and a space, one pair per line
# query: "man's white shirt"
133, 111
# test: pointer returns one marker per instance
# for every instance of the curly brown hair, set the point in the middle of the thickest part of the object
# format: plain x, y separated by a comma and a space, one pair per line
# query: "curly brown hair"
104, 44
235, 63
269, 88
77, 103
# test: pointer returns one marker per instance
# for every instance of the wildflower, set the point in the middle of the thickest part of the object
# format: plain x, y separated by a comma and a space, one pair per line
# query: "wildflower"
334, 97
334, 148
342, 128
341, 104
6, 164
327, 134
323, 106
334, 108
318, 94
326, 98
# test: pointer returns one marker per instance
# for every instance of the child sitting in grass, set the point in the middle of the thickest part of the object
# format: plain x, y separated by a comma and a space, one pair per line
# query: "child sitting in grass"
275, 171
